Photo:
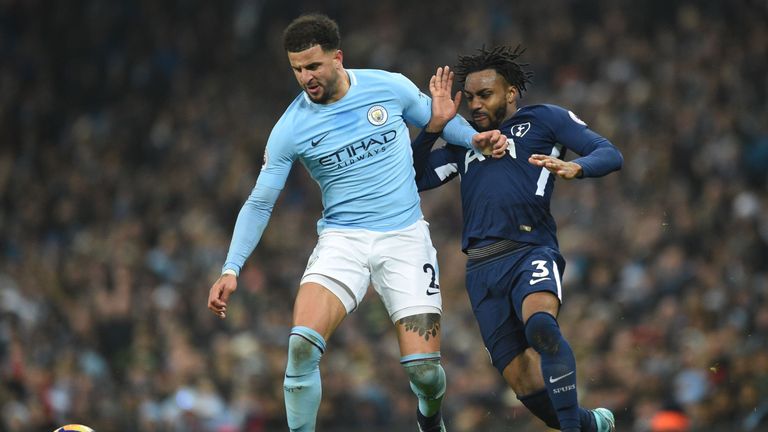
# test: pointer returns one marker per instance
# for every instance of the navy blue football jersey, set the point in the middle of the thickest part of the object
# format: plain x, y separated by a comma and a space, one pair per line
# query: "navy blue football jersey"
509, 198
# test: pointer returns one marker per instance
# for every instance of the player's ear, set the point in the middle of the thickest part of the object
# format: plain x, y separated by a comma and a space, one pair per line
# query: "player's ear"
339, 57
511, 94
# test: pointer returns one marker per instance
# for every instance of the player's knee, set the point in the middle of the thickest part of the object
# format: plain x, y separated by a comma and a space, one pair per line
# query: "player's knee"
427, 377
304, 352
543, 333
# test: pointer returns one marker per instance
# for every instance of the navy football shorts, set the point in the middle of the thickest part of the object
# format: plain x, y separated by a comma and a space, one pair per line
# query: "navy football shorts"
497, 287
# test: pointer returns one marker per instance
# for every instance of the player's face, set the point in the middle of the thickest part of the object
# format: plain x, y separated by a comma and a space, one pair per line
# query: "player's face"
318, 73
489, 97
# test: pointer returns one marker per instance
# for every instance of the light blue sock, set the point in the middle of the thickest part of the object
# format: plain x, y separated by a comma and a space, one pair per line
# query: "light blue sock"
427, 380
302, 387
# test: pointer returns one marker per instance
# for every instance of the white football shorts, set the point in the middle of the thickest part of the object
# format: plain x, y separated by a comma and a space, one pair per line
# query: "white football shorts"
401, 265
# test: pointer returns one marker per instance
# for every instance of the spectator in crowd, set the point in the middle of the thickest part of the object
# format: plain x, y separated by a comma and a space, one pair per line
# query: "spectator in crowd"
670, 420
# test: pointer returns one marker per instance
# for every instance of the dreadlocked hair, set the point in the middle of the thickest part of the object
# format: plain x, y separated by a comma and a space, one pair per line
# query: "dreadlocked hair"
501, 59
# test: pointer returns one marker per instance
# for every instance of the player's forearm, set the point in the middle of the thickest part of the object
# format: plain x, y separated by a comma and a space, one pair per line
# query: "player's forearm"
604, 159
250, 225
430, 180
439, 168
459, 132
421, 147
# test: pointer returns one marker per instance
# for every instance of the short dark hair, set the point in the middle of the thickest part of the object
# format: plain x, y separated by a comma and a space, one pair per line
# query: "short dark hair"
501, 59
309, 30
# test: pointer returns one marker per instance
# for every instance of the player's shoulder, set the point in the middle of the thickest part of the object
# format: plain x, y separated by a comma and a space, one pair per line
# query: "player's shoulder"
542, 111
549, 113
293, 113
374, 74
379, 77
298, 104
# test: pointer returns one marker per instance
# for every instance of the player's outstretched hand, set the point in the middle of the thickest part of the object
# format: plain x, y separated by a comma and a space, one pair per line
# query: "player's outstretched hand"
443, 107
491, 142
224, 286
563, 169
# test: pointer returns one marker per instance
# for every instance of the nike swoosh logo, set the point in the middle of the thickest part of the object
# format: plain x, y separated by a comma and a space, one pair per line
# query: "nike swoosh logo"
535, 281
554, 380
431, 293
316, 141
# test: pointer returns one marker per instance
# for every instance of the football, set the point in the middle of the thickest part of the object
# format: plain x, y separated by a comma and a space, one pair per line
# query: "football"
74, 428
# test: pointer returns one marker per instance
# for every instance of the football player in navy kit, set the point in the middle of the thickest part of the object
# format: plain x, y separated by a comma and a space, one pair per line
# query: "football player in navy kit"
514, 267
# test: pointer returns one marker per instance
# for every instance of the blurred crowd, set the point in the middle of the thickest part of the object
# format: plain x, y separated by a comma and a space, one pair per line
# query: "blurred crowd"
131, 131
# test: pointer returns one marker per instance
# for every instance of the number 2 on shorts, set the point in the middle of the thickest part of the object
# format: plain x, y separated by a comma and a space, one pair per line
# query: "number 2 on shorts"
434, 288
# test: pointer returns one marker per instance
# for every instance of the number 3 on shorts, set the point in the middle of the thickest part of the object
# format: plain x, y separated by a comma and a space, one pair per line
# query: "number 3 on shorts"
541, 274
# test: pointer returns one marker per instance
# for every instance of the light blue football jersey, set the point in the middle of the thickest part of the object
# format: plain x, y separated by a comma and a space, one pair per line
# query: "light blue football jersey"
357, 149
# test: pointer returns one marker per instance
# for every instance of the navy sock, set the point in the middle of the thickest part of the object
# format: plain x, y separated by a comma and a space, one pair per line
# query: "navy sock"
587, 420
539, 405
558, 367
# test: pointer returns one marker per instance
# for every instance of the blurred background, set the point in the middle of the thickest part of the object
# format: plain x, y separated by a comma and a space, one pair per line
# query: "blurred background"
131, 131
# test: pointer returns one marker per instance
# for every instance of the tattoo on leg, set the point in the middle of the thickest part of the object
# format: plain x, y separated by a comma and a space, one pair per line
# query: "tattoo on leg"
427, 325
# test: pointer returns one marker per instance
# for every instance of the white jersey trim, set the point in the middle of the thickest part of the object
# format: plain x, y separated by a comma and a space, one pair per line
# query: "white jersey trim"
446, 170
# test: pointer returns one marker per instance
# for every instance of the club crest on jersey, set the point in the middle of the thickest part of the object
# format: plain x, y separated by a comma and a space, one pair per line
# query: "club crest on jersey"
377, 115
519, 130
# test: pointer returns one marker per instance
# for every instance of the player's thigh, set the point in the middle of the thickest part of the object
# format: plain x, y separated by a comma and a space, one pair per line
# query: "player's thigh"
540, 301
318, 308
334, 282
538, 287
405, 273
488, 285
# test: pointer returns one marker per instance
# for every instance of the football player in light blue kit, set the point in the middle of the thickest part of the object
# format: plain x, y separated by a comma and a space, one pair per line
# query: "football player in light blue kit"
348, 129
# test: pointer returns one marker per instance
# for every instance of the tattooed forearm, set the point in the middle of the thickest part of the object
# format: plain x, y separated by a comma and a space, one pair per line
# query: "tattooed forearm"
427, 325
